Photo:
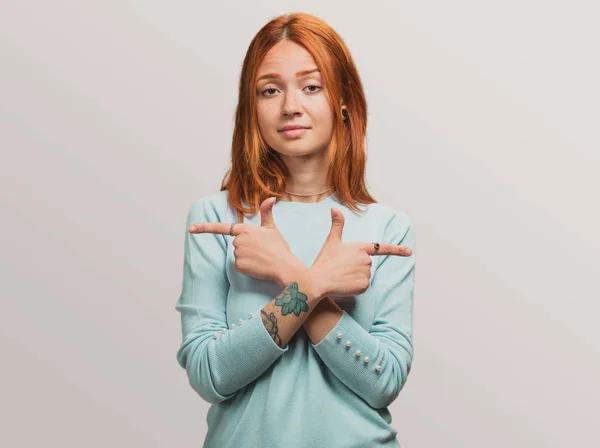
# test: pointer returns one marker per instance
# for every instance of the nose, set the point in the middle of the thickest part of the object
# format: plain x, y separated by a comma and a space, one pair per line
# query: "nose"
290, 105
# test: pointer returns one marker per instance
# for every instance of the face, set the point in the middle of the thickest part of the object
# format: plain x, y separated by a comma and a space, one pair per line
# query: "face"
287, 96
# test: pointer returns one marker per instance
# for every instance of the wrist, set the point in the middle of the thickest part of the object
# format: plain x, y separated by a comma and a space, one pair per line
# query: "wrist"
325, 307
318, 283
293, 270
288, 271
297, 272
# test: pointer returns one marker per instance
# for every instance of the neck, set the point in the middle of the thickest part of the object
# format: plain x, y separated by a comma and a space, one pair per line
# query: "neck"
293, 196
308, 175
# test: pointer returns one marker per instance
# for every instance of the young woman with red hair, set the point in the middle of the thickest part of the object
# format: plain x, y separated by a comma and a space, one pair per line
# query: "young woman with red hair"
297, 297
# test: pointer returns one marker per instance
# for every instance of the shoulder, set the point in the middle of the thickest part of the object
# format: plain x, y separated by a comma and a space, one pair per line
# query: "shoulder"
393, 223
388, 216
213, 207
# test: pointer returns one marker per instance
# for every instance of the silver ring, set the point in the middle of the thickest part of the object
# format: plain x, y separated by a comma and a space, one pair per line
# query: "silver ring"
231, 229
376, 245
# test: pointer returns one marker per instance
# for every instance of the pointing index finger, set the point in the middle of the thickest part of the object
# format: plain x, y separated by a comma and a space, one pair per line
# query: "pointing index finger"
389, 249
220, 228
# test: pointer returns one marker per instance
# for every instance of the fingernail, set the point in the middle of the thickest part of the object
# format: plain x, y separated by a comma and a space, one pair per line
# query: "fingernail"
192, 228
333, 215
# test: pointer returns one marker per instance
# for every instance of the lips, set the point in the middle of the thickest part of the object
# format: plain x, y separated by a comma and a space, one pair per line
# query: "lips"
292, 127
293, 132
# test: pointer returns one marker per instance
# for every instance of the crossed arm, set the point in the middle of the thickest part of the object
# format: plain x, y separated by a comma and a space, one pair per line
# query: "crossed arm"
208, 350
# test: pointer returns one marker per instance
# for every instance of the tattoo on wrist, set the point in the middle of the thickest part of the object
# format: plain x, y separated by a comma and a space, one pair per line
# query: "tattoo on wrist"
270, 323
291, 300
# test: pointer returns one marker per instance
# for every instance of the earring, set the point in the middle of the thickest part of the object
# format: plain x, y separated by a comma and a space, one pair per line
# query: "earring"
345, 114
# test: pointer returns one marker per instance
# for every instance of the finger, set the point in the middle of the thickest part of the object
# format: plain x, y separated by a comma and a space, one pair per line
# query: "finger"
221, 228
266, 212
337, 225
389, 249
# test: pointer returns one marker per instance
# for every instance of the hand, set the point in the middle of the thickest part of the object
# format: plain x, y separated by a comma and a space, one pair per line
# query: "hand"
260, 251
343, 269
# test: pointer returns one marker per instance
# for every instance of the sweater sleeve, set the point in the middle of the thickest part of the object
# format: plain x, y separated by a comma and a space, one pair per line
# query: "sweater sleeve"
219, 360
375, 364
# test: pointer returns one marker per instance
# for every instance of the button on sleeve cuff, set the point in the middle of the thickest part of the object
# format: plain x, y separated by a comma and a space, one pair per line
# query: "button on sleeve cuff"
241, 354
349, 341
360, 361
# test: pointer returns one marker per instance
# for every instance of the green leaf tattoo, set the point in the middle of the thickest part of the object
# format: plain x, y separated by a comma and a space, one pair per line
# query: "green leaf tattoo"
291, 300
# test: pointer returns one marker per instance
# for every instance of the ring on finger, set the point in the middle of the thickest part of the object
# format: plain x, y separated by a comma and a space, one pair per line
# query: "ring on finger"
376, 245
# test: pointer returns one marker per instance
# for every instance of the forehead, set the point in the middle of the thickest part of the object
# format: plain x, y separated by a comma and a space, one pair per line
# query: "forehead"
286, 58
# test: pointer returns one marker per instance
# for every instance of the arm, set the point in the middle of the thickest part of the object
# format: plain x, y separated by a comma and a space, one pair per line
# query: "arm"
388, 343
219, 360
323, 318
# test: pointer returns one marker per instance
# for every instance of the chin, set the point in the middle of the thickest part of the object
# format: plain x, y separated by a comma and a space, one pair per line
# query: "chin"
292, 150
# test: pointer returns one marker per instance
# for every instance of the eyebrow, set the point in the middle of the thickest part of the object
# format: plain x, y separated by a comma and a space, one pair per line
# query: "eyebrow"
278, 76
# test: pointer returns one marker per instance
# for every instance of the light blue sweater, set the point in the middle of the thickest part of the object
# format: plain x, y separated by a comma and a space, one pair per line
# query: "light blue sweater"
333, 394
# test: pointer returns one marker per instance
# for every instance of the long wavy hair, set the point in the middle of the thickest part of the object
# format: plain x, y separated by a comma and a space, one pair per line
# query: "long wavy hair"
257, 172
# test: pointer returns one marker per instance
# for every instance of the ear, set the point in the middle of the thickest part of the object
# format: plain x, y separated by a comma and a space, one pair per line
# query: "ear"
345, 114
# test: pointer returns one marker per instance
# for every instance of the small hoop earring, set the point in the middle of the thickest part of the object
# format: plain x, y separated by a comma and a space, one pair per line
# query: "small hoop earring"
345, 114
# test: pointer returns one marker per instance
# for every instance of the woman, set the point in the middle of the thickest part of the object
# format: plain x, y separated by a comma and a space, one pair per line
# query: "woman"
297, 319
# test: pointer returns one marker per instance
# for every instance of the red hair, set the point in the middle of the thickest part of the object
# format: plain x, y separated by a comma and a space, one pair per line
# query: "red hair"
257, 172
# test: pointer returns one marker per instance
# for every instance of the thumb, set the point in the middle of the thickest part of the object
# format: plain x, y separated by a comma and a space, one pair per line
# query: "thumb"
266, 212
337, 225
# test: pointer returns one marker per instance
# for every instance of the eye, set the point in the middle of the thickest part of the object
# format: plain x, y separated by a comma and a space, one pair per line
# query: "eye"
313, 91
263, 93
266, 90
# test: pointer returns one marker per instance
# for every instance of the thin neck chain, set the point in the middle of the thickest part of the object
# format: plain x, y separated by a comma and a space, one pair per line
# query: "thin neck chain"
312, 194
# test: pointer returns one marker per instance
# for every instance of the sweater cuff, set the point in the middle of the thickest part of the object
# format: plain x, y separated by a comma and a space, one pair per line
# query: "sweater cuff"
349, 344
248, 343
244, 336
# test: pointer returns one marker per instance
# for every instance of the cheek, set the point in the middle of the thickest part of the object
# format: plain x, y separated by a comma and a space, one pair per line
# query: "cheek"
265, 122
323, 113
323, 120
264, 115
